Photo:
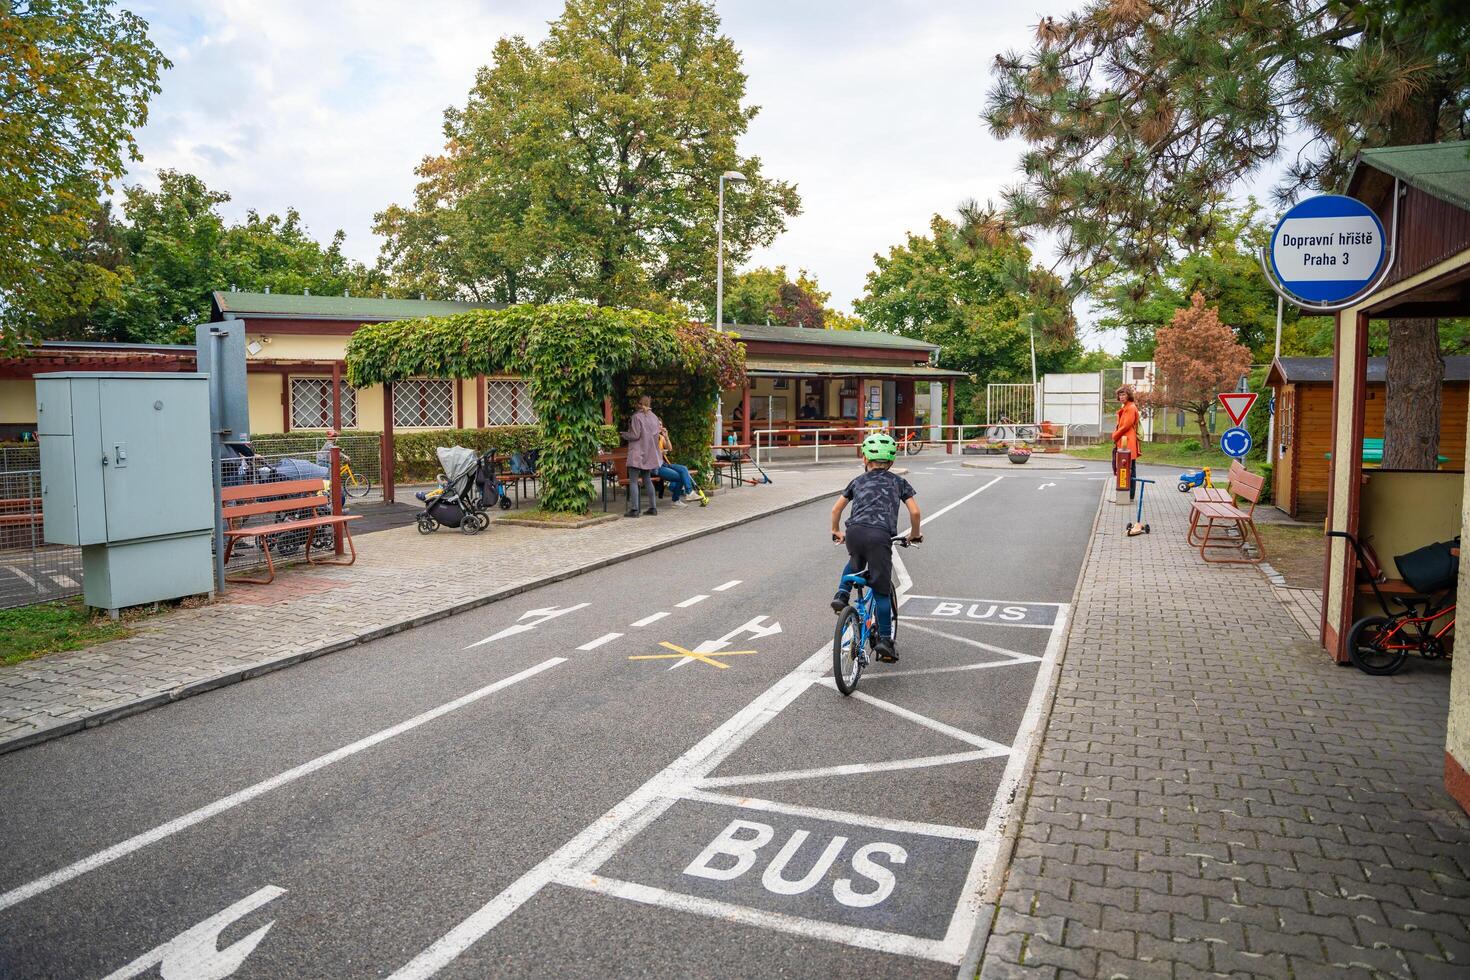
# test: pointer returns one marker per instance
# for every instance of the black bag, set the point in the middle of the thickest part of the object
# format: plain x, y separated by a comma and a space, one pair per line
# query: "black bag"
1430, 568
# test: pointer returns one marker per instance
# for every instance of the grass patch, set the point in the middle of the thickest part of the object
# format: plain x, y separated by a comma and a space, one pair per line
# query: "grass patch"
1163, 454
31, 631
1295, 552
549, 516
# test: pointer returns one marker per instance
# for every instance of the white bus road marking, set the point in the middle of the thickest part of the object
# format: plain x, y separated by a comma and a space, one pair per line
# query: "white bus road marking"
576, 861
195, 953
1016, 655
852, 769
650, 619
604, 638
836, 816
122, 849
542, 615
691, 601
728, 585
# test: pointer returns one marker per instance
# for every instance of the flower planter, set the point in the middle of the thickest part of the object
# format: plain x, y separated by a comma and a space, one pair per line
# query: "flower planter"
1019, 455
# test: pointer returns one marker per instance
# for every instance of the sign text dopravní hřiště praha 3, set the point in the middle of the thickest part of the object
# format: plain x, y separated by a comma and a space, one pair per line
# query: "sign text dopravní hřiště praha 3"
1327, 248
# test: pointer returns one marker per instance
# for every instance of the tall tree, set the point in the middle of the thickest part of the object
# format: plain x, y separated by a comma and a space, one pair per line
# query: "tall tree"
75, 80
174, 248
977, 295
586, 166
1224, 269
1197, 358
760, 295
1142, 115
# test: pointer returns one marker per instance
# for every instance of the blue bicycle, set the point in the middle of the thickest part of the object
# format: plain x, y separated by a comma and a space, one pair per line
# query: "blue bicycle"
857, 628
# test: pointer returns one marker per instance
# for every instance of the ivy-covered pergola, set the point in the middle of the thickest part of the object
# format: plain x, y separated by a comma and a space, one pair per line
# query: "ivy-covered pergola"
576, 358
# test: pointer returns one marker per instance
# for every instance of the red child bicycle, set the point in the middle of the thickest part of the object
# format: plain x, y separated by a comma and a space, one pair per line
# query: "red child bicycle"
1380, 644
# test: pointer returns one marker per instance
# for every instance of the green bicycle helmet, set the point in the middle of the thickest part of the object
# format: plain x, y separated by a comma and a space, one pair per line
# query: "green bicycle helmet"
880, 447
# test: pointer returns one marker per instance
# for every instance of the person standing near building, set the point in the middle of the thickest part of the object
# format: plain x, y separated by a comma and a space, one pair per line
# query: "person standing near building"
1125, 433
643, 455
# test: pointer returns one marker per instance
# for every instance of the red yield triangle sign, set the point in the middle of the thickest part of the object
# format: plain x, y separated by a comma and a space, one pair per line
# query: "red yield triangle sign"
1237, 404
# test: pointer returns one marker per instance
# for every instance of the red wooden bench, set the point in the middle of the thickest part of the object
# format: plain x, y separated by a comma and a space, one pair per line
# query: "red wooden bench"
278, 500
1211, 522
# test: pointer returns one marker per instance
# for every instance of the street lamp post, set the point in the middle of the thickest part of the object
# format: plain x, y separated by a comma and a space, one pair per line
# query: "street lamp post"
734, 176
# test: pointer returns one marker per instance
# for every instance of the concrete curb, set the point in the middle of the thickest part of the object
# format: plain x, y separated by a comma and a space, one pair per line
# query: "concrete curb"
1036, 463
102, 717
970, 966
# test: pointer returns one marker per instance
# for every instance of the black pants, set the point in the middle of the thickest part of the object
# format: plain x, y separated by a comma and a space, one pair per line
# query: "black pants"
871, 548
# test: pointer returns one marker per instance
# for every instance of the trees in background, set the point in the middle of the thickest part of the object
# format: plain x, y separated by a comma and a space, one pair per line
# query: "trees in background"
975, 293
764, 295
1196, 358
585, 167
1142, 115
172, 248
76, 82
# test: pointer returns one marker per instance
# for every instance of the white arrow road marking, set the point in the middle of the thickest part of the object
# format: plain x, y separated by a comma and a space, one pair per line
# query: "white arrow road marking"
195, 954
1045, 485
604, 638
550, 612
104, 857
756, 628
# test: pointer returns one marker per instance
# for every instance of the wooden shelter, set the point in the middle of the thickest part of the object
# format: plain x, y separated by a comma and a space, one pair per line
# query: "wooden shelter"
1300, 458
1421, 194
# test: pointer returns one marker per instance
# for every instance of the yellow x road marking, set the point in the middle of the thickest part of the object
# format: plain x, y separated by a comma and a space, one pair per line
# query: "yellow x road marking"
680, 653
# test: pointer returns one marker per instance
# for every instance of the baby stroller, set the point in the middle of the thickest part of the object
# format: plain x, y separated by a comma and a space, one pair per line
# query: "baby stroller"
467, 492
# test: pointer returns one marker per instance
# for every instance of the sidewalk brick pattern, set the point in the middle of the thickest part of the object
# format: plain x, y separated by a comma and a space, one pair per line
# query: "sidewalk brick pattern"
399, 575
1214, 797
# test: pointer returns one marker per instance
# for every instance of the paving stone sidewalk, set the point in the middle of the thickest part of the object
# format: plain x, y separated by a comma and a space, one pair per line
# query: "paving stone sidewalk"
399, 580
1213, 796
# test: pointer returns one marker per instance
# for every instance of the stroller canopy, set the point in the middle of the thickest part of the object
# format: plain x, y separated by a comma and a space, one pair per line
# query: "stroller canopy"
457, 462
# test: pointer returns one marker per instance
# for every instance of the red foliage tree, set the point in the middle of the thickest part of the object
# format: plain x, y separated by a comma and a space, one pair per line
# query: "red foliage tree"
1196, 358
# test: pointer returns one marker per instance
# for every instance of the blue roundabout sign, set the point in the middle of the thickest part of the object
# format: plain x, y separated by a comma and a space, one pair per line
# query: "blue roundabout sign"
1327, 248
1235, 442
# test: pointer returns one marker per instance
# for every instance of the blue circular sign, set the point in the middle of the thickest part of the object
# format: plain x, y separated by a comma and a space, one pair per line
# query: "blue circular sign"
1327, 248
1235, 442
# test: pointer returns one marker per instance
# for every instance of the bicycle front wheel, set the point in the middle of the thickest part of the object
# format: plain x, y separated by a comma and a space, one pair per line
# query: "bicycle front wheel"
915, 447
847, 648
356, 486
1371, 648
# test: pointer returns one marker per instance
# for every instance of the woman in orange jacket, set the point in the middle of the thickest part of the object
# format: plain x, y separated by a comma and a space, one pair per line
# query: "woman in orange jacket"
1125, 434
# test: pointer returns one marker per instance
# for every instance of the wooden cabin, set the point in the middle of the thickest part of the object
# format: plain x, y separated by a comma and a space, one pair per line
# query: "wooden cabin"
1303, 391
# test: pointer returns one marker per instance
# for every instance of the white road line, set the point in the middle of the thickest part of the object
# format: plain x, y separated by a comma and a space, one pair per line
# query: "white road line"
949, 507
65, 581
604, 638
934, 726
31, 889
852, 769
836, 816
972, 622
691, 601
950, 670
24, 577
905, 580
728, 585
1014, 602
886, 942
990, 647
651, 619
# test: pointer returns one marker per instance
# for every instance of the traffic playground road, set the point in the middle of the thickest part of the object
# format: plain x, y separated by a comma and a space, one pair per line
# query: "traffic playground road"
640, 770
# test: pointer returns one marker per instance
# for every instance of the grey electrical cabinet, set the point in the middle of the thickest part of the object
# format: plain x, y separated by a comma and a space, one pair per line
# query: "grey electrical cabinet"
125, 474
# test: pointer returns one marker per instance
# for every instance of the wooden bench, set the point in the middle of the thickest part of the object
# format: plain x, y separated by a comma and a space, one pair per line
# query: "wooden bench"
280, 501
1215, 495
620, 471
1207, 517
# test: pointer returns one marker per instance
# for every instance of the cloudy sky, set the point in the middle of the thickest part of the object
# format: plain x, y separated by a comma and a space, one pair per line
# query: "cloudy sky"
870, 106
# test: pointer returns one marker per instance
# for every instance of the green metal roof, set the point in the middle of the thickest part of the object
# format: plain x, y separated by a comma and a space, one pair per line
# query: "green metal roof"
839, 338
760, 367
337, 307
1440, 169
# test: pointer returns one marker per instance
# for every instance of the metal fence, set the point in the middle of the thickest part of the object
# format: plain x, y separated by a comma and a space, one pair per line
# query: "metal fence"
30, 569
1011, 403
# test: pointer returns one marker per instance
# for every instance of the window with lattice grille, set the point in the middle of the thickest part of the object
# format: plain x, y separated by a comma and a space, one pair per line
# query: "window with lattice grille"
508, 403
424, 403
311, 404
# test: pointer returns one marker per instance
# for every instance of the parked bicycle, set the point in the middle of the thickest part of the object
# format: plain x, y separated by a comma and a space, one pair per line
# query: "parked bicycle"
909, 444
857, 628
1380, 644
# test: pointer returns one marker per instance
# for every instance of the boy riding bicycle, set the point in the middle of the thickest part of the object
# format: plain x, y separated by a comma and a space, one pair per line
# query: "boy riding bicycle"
875, 497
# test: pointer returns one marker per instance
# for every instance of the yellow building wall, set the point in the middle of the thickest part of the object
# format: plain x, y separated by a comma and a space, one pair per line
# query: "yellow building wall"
297, 347
17, 401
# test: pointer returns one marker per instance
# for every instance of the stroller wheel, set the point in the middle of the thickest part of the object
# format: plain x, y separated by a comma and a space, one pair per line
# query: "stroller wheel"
484, 517
470, 524
427, 525
505, 502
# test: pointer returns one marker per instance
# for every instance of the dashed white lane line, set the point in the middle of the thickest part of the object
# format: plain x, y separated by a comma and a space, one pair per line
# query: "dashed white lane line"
604, 638
650, 619
122, 849
691, 601
728, 585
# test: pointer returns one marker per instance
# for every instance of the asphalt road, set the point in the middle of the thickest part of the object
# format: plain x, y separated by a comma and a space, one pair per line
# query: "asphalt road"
512, 792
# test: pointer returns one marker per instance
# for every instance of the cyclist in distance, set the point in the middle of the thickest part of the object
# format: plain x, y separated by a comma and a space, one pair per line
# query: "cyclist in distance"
875, 497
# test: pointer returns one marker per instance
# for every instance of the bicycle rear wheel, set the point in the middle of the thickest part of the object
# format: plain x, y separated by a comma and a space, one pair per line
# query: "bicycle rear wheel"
915, 446
847, 648
357, 486
1368, 650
